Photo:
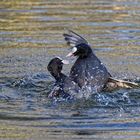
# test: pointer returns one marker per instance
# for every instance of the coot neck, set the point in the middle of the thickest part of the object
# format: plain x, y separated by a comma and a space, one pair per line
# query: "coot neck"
60, 77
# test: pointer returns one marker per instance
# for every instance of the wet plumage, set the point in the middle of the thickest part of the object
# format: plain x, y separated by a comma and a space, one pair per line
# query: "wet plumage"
87, 71
64, 86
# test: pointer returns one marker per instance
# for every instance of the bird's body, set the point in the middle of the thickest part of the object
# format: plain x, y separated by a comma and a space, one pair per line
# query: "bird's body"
87, 71
64, 86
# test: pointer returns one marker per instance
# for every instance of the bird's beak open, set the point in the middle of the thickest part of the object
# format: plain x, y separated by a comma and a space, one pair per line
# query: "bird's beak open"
66, 62
72, 52
69, 54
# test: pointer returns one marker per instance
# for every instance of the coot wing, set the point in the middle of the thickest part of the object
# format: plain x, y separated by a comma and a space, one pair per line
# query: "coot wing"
73, 39
123, 83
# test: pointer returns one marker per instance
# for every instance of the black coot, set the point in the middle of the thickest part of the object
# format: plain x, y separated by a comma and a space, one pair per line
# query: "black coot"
88, 71
64, 86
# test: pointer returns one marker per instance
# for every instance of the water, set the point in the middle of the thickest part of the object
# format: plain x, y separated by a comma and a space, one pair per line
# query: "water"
31, 34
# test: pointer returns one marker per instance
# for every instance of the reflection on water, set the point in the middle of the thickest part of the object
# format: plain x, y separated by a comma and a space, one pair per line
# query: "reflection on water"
31, 34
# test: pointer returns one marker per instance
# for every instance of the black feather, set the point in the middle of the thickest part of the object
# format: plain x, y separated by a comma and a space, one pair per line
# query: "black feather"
73, 39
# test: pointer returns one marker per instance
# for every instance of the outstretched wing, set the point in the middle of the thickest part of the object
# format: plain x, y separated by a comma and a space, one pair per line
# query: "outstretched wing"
73, 39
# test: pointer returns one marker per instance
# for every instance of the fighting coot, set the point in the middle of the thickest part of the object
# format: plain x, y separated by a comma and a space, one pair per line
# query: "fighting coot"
88, 71
64, 86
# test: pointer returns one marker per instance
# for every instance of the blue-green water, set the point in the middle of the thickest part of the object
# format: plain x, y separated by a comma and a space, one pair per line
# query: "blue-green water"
31, 34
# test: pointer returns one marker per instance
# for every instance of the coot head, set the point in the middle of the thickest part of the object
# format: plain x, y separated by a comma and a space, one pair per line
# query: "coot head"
55, 66
81, 50
80, 46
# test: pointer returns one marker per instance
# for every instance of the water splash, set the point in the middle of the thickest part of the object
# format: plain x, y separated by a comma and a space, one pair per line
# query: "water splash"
36, 87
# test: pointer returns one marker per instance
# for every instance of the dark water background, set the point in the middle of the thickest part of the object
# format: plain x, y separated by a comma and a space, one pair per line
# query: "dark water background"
31, 34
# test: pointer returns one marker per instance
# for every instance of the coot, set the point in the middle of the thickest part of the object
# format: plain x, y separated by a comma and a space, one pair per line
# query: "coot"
88, 71
64, 86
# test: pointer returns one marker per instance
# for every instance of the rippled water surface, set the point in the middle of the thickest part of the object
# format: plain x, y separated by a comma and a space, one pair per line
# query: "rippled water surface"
31, 34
